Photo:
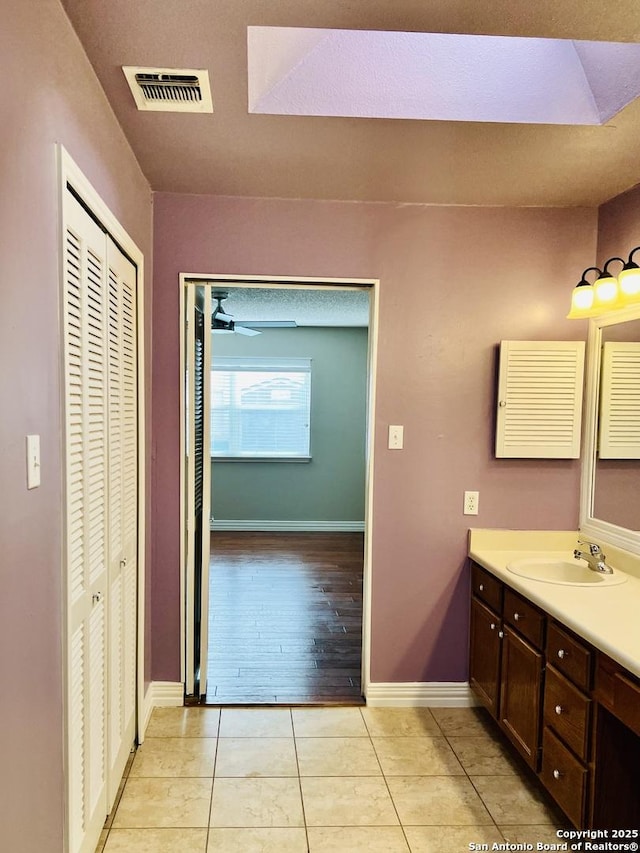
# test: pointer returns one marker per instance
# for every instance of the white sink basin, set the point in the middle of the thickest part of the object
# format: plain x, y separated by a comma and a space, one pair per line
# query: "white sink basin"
569, 572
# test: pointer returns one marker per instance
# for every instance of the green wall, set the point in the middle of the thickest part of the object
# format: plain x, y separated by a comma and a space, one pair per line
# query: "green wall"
331, 486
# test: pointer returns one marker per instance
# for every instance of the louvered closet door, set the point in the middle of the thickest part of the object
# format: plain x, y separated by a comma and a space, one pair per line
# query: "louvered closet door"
85, 319
122, 511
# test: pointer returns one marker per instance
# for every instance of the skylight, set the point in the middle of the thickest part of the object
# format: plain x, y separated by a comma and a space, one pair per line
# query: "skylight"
439, 76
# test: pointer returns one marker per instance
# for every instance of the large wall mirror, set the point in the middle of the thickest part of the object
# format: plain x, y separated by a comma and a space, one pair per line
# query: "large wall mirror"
610, 500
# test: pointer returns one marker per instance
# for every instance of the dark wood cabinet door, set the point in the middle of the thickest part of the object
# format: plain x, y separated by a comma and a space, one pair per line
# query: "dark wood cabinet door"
484, 658
520, 695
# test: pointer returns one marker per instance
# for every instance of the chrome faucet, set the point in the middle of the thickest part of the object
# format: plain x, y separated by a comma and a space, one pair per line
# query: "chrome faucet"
594, 557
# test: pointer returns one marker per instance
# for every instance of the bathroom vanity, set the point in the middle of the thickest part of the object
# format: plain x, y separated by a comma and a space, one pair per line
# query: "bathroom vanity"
558, 667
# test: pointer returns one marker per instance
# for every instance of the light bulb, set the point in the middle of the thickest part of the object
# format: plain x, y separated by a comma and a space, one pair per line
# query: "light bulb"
629, 284
605, 292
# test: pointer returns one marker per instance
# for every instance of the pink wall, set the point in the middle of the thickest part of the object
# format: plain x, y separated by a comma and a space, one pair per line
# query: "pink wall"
53, 96
454, 282
619, 227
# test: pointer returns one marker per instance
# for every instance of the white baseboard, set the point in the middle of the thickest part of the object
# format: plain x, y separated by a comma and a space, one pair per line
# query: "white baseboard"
162, 694
267, 525
420, 694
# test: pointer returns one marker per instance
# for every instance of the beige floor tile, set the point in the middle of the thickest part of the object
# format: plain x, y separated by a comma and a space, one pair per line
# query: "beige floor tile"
255, 722
256, 757
328, 722
271, 840
513, 800
174, 757
533, 834
416, 756
157, 841
256, 802
184, 722
464, 722
437, 800
400, 722
347, 801
452, 839
339, 756
483, 756
164, 803
356, 839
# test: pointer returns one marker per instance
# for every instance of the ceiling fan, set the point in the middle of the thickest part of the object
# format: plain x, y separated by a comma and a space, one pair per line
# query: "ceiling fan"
221, 322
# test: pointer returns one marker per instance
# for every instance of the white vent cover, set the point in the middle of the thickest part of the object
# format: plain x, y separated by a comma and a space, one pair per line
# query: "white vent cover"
170, 90
540, 399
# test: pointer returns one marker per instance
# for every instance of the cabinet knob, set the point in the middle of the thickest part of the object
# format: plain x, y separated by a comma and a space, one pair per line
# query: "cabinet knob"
562, 654
501, 634
481, 587
518, 616
493, 626
557, 774
559, 709
96, 598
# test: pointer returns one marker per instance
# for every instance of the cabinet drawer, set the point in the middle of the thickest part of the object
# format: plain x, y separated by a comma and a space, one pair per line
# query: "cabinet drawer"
564, 777
619, 692
569, 655
487, 587
524, 617
567, 711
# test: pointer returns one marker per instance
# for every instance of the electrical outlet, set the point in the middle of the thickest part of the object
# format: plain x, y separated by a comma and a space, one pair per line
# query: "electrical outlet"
396, 437
471, 501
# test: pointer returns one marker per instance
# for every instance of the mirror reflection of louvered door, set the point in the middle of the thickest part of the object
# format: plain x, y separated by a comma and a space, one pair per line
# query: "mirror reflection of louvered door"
101, 518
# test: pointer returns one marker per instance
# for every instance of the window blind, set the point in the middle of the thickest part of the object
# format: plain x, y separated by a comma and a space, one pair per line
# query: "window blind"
260, 408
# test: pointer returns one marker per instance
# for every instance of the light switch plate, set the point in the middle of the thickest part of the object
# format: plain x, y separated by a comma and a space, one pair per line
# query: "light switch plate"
33, 461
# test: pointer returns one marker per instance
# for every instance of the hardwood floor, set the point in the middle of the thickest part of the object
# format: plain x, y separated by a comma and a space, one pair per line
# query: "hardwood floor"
285, 618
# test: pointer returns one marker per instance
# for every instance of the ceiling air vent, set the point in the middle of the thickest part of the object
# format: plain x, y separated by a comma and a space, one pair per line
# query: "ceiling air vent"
171, 90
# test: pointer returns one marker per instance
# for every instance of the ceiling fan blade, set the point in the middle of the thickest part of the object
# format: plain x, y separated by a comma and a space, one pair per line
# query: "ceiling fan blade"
244, 330
220, 315
269, 324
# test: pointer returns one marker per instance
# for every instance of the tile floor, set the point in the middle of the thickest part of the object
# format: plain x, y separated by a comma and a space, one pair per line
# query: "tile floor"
291, 780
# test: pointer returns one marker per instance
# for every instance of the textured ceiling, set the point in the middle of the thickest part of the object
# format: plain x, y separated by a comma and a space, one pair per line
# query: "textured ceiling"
307, 307
233, 152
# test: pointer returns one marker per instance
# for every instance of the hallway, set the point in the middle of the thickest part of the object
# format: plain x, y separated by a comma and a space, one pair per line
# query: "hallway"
285, 618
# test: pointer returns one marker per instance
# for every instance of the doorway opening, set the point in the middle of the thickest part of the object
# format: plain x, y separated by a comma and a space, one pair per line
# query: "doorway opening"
277, 587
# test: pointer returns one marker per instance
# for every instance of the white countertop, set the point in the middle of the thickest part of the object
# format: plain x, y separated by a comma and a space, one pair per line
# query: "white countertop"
608, 617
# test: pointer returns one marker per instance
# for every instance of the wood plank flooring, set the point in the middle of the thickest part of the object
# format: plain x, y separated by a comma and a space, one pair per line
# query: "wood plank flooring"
285, 618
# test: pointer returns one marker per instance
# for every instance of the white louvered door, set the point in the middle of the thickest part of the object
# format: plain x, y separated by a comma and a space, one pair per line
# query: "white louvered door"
86, 506
100, 359
540, 399
122, 503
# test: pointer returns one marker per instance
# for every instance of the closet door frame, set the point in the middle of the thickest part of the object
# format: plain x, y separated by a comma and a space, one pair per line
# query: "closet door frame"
70, 175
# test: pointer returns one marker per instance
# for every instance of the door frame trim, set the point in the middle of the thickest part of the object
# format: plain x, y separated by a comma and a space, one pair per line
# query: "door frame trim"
70, 174
294, 282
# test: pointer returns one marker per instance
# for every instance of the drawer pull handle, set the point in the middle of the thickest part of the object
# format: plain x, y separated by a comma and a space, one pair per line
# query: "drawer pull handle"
518, 616
559, 709
557, 774
481, 587
562, 654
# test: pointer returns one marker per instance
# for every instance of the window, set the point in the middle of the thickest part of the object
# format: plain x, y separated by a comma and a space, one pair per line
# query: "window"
260, 408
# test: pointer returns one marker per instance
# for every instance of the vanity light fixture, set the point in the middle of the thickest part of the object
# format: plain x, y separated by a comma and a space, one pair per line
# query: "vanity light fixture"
608, 292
